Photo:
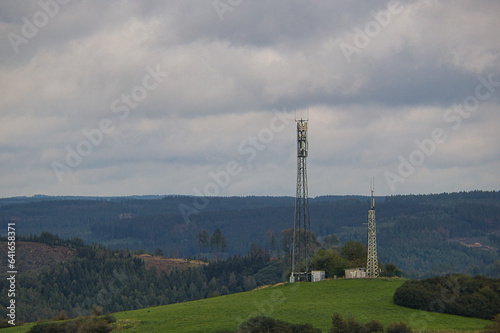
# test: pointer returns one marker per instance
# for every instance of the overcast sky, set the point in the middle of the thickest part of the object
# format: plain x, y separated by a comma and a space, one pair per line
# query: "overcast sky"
200, 97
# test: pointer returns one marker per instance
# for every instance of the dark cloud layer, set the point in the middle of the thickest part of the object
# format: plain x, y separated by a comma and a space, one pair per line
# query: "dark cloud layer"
155, 97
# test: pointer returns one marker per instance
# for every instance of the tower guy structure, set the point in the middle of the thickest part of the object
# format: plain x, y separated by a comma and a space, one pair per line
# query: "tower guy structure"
301, 224
372, 261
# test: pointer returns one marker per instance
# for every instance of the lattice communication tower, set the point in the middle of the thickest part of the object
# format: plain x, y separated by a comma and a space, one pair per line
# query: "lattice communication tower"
301, 225
372, 261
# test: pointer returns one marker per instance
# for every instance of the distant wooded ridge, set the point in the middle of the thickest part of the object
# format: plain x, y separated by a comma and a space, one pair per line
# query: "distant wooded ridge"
424, 235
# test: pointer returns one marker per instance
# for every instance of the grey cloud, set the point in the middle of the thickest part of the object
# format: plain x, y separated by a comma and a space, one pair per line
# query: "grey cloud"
225, 77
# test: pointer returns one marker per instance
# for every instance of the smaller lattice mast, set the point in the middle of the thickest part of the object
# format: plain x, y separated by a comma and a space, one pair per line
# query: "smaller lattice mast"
372, 261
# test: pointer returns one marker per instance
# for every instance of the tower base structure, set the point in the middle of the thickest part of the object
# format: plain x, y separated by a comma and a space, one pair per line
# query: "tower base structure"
300, 277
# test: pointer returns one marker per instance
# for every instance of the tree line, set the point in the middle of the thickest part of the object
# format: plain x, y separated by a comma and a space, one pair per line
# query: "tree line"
456, 294
262, 324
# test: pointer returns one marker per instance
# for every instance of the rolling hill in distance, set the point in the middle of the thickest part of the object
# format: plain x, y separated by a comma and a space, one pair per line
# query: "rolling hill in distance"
424, 235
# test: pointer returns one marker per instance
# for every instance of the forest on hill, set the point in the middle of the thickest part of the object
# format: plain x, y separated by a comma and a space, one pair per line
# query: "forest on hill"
424, 235
117, 280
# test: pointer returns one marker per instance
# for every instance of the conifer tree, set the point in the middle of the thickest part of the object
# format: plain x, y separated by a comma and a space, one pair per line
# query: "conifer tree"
218, 243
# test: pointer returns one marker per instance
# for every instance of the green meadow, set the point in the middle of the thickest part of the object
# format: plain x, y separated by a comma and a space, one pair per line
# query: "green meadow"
296, 303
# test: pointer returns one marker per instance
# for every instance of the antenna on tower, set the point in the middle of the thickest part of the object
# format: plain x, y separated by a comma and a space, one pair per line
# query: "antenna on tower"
372, 188
302, 119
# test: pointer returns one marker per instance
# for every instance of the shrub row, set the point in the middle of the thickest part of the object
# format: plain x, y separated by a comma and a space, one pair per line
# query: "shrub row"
453, 294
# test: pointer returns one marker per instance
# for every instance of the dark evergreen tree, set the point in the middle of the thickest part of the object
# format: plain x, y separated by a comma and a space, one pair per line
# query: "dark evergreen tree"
218, 243
203, 240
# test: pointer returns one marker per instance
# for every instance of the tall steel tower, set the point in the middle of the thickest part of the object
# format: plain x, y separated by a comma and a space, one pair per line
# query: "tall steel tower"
301, 224
372, 261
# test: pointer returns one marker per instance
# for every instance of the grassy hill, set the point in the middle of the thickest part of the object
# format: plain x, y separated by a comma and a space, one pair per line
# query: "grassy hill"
297, 303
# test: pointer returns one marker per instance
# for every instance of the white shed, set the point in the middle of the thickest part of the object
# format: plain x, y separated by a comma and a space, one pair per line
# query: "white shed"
317, 276
355, 273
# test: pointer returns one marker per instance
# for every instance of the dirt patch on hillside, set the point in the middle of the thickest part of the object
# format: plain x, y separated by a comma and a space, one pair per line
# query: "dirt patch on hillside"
168, 264
270, 285
33, 257
475, 242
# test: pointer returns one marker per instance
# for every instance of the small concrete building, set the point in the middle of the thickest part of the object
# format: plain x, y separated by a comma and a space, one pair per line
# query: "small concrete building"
317, 276
355, 273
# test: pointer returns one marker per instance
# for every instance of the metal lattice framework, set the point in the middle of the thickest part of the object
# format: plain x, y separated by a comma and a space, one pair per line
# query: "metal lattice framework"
372, 261
301, 225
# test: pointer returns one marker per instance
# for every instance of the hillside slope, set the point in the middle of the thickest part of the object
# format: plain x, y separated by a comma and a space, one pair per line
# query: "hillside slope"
297, 303
33, 257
